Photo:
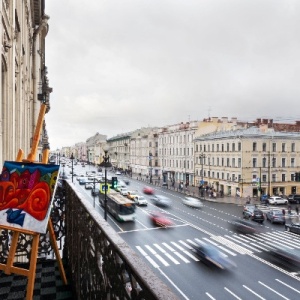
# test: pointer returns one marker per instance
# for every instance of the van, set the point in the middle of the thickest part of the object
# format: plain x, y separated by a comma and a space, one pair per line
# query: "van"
294, 198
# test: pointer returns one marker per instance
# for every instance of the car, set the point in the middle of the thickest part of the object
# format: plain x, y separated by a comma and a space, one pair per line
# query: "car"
148, 190
286, 255
140, 200
294, 198
243, 226
252, 212
131, 194
277, 200
88, 185
160, 219
193, 202
118, 173
123, 191
211, 255
95, 192
160, 200
293, 227
82, 180
275, 216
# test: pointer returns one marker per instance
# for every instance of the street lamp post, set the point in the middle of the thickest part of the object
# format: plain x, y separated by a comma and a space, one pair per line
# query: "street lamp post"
106, 163
202, 157
72, 158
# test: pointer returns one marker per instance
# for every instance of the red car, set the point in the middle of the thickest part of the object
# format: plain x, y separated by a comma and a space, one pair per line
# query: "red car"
160, 219
148, 190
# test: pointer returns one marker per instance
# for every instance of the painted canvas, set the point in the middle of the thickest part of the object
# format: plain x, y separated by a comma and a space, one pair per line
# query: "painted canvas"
26, 194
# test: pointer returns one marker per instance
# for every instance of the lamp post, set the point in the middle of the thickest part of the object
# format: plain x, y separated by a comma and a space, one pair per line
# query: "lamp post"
106, 163
72, 158
202, 157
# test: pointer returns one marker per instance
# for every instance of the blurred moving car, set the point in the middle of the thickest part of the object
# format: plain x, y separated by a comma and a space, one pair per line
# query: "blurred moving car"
131, 194
160, 200
286, 255
118, 173
82, 180
275, 216
252, 212
140, 200
294, 198
160, 219
123, 191
277, 200
211, 255
193, 202
293, 227
243, 226
88, 186
148, 190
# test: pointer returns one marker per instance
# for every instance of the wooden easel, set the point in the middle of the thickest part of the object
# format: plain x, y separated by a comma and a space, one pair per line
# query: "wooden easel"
9, 268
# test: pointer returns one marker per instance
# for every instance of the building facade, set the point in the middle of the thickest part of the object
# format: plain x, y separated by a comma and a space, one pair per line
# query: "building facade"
24, 82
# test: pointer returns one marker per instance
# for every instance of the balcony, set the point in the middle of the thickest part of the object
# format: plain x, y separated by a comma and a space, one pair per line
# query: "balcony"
98, 263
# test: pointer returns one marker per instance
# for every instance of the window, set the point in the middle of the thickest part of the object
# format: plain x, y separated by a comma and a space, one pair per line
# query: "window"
222, 147
233, 163
233, 147
282, 177
227, 163
264, 147
283, 160
218, 161
217, 147
273, 162
293, 147
239, 162
264, 178
239, 146
233, 177
222, 175
227, 147
273, 177
293, 162
222, 161
264, 162
283, 147
254, 146
274, 147
213, 147
254, 162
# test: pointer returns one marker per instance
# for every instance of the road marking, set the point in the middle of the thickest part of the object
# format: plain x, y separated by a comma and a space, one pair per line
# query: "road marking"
230, 292
288, 286
167, 254
157, 256
269, 288
153, 263
210, 296
251, 291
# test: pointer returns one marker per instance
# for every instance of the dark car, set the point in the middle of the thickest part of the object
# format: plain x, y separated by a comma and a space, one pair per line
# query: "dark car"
286, 255
243, 226
253, 213
210, 255
95, 192
294, 198
275, 216
293, 227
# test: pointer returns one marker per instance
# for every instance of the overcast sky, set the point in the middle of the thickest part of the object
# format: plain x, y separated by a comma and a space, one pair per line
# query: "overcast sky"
116, 66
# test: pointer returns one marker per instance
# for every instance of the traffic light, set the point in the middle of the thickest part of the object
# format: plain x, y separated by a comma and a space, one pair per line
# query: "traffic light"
114, 182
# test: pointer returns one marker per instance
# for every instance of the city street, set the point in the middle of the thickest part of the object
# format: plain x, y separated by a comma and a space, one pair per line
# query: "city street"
168, 250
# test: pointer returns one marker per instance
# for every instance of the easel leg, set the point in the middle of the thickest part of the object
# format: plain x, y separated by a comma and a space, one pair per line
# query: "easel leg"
12, 252
32, 268
57, 254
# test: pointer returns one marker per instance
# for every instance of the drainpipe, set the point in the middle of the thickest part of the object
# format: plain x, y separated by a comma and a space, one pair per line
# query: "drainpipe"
42, 28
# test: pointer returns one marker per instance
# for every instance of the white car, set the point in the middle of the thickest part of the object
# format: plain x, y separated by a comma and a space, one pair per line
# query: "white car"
123, 191
118, 173
277, 200
193, 202
140, 200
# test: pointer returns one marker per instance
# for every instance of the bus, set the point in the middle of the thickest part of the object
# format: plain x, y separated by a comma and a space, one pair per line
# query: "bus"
120, 207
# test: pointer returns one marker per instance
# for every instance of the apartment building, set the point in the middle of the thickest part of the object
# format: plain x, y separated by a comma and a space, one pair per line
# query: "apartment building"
248, 162
176, 152
23, 76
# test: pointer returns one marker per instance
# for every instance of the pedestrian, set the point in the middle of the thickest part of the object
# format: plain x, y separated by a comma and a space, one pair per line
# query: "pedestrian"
297, 210
289, 210
283, 212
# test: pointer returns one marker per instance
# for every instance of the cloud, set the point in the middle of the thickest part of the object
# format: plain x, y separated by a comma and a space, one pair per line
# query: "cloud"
116, 66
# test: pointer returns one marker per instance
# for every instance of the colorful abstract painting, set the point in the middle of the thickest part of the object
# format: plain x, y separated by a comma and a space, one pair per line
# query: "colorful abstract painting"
26, 194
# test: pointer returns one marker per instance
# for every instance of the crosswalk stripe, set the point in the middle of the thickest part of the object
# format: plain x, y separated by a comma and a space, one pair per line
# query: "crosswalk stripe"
242, 243
165, 263
176, 253
152, 262
167, 254
185, 252
237, 248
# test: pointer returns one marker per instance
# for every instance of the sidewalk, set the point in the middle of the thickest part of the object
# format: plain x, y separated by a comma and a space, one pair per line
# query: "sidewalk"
194, 192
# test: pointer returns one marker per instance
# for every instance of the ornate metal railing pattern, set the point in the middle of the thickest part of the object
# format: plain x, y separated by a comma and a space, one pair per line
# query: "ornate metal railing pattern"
101, 264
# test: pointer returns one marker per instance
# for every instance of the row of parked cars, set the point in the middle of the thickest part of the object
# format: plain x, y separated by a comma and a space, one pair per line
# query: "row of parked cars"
274, 200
